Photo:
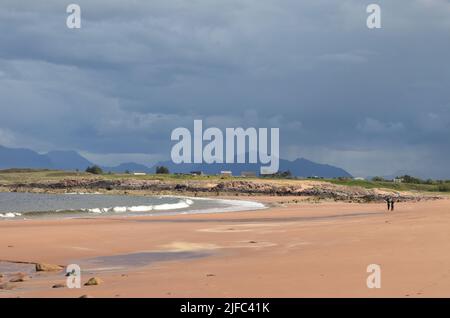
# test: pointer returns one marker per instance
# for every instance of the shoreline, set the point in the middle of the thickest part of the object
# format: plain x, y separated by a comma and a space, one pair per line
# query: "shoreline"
292, 249
319, 190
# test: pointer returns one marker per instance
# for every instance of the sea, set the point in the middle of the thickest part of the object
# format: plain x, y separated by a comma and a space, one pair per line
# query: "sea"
17, 205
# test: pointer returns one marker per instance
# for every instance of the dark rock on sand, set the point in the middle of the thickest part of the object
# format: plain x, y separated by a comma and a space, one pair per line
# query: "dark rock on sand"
59, 286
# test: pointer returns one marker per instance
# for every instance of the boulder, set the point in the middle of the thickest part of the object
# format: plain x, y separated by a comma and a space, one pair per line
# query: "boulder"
44, 267
93, 281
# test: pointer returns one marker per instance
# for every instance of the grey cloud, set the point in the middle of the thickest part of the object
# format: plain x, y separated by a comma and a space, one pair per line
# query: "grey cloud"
339, 92
370, 125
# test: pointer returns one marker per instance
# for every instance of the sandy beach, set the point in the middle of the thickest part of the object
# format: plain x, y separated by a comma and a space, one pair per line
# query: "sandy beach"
180, 151
292, 249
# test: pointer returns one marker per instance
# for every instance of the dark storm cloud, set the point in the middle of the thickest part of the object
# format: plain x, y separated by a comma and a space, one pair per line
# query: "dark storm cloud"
372, 101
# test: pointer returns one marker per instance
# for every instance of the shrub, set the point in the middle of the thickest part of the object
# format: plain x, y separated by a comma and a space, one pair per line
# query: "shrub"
94, 170
444, 187
280, 174
409, 179
162, 170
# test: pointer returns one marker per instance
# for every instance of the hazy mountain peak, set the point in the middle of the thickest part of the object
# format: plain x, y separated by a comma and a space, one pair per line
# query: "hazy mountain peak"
72, 160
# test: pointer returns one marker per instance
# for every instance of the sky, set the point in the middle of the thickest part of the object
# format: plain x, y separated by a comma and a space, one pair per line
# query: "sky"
372, 101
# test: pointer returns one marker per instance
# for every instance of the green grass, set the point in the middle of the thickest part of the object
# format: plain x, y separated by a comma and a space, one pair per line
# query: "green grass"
28, 175
391, 185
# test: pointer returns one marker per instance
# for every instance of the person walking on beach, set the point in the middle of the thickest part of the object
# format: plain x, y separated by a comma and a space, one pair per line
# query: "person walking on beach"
388, 201
392, 204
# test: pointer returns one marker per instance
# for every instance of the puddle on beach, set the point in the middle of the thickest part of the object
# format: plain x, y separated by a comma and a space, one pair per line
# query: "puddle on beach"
126, 261
7, 268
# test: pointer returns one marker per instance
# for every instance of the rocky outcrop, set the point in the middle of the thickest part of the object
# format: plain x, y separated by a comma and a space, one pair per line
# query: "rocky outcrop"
322, 190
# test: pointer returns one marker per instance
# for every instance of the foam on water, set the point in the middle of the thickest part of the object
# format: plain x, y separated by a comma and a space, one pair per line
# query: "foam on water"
9, 215
182, 204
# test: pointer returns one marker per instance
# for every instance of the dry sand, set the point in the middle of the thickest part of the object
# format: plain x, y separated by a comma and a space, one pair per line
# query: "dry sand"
292, 250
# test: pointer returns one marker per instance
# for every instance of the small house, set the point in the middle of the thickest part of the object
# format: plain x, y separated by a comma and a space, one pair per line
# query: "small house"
226, 173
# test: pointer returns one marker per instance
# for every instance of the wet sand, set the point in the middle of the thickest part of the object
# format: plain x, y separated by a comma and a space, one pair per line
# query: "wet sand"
290, 250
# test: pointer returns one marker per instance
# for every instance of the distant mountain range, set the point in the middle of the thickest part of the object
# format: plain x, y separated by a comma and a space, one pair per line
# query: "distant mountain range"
299, 167
71, 160
59, 160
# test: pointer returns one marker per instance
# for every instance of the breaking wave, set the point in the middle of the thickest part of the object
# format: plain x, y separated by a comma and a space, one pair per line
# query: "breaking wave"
9, 215
182, 204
